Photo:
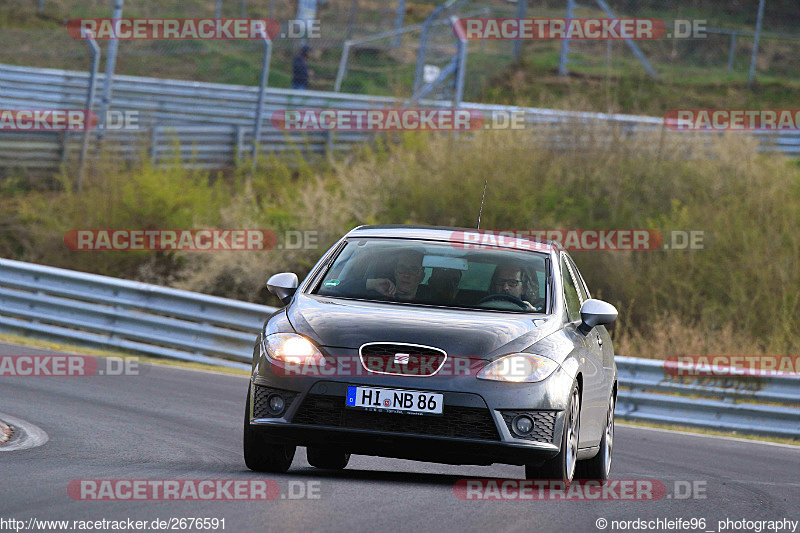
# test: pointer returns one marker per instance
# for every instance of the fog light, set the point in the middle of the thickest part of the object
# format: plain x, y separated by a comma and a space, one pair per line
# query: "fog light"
276, 404
523, 425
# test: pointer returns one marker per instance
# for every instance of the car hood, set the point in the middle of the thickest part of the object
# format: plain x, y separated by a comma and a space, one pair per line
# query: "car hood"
341, 323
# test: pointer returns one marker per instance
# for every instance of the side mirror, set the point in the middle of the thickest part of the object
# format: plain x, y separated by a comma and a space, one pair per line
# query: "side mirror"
283, 285
596, 313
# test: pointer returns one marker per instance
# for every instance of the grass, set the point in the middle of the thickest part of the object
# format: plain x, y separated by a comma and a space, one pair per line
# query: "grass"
30, 342
711, 432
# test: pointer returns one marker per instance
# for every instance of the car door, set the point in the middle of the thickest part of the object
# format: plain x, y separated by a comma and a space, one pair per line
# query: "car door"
600, 332
593, 397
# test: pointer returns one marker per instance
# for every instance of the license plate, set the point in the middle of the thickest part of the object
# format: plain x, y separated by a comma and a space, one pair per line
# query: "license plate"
395, 400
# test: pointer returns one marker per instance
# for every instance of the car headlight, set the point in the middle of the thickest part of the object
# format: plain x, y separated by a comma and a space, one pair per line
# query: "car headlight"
518, 368
291, 348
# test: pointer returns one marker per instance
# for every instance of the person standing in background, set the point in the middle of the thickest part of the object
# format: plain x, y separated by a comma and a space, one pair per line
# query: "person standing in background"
300, 72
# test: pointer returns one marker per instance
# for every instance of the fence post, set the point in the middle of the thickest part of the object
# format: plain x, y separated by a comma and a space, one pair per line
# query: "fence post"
631, 43
730, 54
261, 90
522, 6
462, 67
95, 51
111, 62
562, 61
756, 38
352, 18
423, 41
337, 85
218, 10
398, 22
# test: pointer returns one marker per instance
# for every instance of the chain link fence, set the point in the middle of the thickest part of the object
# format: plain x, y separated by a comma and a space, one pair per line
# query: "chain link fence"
34, 34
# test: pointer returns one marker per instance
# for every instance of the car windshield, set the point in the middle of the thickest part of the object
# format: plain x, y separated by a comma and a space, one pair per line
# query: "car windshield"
440, 274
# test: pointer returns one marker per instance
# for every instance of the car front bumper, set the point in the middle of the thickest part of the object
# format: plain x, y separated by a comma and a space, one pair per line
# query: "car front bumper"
475, 427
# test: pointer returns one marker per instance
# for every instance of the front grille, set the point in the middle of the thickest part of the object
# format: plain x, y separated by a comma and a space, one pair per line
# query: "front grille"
544, 423
261, 396
402, 359
460, 422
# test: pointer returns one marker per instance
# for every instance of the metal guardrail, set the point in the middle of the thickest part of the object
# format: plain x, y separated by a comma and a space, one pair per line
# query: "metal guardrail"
87, 309
214, 122
762, 405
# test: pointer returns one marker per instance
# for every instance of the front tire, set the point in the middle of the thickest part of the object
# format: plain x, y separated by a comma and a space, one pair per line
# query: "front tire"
599, 466
261, 455
327, 459
562, 466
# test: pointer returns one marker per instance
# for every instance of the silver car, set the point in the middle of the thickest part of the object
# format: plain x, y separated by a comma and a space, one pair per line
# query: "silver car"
436, 344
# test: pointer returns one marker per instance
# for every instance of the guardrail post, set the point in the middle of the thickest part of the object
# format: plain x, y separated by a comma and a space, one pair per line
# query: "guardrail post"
95, 51
153, 143
239, 139
64, 147
261, 90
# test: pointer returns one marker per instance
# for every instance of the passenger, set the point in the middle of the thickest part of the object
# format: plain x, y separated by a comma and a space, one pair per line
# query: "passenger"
404, 285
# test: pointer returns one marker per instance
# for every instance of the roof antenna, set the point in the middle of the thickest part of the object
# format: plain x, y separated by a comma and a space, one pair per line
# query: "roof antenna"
481, 210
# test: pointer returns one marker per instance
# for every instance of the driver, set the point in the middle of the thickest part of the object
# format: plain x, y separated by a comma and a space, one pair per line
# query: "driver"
517, 282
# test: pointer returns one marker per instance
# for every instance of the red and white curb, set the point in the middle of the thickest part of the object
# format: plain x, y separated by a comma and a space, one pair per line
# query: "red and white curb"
5, 432
26, 435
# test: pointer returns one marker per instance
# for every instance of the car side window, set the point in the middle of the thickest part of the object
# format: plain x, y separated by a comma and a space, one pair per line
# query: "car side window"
571, 296
583, 290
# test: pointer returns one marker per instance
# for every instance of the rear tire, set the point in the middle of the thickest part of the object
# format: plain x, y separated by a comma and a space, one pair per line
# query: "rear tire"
261, 455
327, 459
562, 466
599, 466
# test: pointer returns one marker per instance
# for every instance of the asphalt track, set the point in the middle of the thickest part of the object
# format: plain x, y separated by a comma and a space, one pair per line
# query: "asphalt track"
173, 423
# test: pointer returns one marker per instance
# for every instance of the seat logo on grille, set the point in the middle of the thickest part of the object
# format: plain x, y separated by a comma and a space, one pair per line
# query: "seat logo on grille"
401, 358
